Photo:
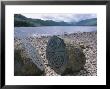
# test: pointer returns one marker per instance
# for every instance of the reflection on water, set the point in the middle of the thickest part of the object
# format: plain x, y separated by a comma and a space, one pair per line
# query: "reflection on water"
50, 30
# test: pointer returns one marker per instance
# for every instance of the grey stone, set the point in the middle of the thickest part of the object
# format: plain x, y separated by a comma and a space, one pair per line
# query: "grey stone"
33, 54
23, 66
76, 60
64, 56
56, 54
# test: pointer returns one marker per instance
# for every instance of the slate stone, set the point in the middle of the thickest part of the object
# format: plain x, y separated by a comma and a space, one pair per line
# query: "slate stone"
56, 54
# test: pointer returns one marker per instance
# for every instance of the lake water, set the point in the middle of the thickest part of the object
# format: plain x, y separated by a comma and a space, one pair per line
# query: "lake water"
51, 30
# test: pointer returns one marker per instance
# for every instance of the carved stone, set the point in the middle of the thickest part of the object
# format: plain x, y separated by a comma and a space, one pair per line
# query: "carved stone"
56, 54
64, 55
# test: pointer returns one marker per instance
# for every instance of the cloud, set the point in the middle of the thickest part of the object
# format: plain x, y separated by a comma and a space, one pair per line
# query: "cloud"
78, 17
61, 17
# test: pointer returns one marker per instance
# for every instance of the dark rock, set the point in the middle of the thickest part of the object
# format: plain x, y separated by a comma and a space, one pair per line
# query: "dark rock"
76, 60
56, 54
63, 55
24, 66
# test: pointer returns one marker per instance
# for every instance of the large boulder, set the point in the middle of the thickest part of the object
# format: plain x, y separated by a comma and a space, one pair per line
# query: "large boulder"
23, 66
76, 59
32, 53
64, 56
27, 61
56, 54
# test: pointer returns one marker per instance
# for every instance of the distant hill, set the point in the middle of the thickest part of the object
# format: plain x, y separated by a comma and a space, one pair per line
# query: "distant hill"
22, 21
87, 22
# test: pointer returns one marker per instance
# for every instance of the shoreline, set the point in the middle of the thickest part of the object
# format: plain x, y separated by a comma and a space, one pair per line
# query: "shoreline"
88, 41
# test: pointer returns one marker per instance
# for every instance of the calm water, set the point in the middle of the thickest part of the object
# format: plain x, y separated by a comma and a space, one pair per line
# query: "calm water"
51, 30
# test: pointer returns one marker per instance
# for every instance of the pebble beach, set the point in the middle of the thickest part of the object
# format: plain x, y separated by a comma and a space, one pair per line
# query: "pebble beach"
87, 41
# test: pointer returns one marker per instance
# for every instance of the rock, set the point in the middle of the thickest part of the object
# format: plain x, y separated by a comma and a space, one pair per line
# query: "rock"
82, 46
24, 66
76, 60
27, 60
64, 56
33, 54
56, 54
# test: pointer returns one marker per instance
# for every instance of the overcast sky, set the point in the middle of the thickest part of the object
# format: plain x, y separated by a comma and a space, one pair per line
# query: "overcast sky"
61, 17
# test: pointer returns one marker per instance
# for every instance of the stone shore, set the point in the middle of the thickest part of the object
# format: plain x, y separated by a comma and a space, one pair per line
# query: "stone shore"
87, 41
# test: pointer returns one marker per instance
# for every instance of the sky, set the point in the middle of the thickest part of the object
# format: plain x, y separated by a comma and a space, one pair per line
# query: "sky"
61, 17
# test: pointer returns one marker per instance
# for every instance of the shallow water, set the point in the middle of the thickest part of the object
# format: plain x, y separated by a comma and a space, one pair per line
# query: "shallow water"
22, 32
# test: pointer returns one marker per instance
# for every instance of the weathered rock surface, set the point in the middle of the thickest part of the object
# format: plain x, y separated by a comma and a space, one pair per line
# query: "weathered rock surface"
56, 54
27, 61
63, 54
33, 54
24, 66
76, 59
